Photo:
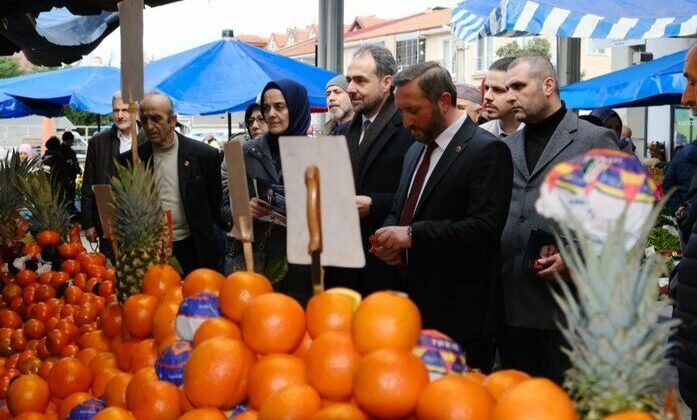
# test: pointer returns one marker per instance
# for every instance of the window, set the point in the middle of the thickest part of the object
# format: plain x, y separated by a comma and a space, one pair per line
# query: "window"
484, 53
410, 51
595, 47
448, 55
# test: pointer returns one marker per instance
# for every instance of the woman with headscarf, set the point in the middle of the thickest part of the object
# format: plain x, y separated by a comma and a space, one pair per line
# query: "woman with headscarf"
286, 110
612, 120
26, 152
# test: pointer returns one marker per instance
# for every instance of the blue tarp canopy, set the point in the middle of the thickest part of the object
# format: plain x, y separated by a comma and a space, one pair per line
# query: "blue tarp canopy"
657, 82
222, 76
596, 19
228, 75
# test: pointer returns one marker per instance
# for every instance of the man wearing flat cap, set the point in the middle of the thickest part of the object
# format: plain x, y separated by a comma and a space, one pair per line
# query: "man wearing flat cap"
338, 105
469, 99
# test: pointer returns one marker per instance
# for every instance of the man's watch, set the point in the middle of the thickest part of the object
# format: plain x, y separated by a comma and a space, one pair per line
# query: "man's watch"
409, 230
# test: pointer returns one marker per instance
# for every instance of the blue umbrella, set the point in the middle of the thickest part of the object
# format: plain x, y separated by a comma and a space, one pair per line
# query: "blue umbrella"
228, 75
598, 19
657, 82
85, 88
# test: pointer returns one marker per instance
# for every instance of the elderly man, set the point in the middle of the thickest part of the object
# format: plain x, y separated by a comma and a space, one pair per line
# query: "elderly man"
685, 303
469, 99
451, 206
531, 340
102, 149
338, 104
502, 122
377, 142
188, 172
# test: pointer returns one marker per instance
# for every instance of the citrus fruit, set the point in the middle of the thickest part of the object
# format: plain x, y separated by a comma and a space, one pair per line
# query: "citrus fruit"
294, 402
202, 280
160, 401
163, 320
454, 397
159, 279
340, 411
501, 381
238, 289
27, 393
385, 320
272, 373
138, 313
114, 413
216, 327
331, 364
204, 414
537, 398
329, 312
70, 402
69, 376
273, 323
115, 390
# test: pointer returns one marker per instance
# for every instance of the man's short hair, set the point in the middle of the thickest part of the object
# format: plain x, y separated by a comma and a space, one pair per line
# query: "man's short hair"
501, 64
385, 65
170, 104
68, 136
540, 68
431, 77
115, 96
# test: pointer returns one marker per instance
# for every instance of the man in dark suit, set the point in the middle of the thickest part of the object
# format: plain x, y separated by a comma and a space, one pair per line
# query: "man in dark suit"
188, 172
449, 212
377, 142
531, 340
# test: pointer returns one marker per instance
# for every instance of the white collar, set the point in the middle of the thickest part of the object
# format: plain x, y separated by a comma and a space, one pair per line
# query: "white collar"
372, 119
447, 135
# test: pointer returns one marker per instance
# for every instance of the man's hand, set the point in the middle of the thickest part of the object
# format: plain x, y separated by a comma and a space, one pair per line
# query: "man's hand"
259, 208
394, 238
552, 265
363, 202
681, 212
91, 234
389, 257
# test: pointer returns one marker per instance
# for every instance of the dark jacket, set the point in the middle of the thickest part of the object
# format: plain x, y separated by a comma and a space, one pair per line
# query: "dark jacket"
679, 174
454, 264
71, 158
270, 239
61, 174
686, 311
201, 194
377, 165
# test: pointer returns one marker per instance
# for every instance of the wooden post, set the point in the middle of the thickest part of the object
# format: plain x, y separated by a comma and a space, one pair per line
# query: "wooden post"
314, 224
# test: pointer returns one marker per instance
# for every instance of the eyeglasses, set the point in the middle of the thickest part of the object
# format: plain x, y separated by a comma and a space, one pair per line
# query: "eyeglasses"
252, 120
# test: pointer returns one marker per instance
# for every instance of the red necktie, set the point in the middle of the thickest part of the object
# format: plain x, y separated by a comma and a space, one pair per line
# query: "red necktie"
416, 186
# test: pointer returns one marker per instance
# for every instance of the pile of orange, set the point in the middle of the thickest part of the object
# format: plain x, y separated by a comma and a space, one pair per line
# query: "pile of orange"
340, 358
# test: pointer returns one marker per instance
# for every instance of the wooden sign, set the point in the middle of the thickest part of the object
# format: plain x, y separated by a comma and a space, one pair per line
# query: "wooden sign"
131, 22
239, 191
102, 195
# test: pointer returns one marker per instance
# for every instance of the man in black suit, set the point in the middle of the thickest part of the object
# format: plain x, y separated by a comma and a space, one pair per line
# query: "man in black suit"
377, 142
190, 186
448, 214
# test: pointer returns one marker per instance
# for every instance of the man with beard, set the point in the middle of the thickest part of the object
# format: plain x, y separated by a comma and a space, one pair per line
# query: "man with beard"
338, 104
449, 212
102, 149
502, 121
377, 142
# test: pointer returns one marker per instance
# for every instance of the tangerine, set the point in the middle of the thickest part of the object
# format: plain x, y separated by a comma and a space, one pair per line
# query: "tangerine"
272, 373
273, 323
143, 355
329, 312
160, 401
291, 403
139, 386
239, 288
332, 362
27, 393
163, 320
453, 397
204, 414
501, 381
111, 319
138, 313
385, 320
159, 279
115, 390
202, 280
70, 402
48, 237
69, 376
537, 398
216, 327
101, 380
340, 411
114, 413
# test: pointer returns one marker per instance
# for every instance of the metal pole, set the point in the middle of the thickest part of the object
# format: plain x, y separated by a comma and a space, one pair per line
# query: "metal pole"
335, 36
568, 60
322, 36
229, 126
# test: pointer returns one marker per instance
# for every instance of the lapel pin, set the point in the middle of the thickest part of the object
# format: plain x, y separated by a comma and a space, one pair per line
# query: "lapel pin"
186, 163
458, 149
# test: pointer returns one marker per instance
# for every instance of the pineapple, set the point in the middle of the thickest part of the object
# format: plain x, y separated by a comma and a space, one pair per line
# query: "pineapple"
617, 344
45, 204
11, 200
137, 224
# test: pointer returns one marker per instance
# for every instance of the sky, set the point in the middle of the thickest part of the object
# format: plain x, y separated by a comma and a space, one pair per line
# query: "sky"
189, 23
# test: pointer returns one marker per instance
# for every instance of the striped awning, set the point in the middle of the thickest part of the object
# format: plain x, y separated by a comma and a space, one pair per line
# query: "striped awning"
596, 19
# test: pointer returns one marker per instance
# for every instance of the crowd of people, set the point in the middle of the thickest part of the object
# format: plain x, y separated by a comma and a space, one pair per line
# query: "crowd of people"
446, 180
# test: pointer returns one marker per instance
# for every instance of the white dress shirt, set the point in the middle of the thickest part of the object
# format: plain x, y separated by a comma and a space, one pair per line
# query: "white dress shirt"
442, 141
124, 142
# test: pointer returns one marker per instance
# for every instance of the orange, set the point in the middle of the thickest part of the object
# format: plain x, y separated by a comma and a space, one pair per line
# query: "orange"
294, 402
159, 279
115, 391
272, 373
143, 355
501, 381
85, 356
331, 364
114, 413
101, 361
216, 327
111, 319
304, 346
138, 313
95, 339
70, 402
340, 411
32, 415
273, 323
47, 237
247, 415
160, 401
630, 415
385, 320
123, 349
173, 295
27, 393
163, 320
202, 280
453, 397
474, 376
388, 383
204, 414
537, 398
329, 311
217, 373
69, 376
139, 386
238, 289
101, 379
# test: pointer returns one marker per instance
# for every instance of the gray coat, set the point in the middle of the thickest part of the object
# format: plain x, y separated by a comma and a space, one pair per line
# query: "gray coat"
528, 301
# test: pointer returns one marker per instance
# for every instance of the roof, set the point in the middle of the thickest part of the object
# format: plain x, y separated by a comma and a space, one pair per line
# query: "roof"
361, 22
256, 40
299, 49
279, 39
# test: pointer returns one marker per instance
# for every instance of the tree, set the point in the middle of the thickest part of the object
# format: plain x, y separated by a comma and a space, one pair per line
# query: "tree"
78, 117
9, 67
536, 46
